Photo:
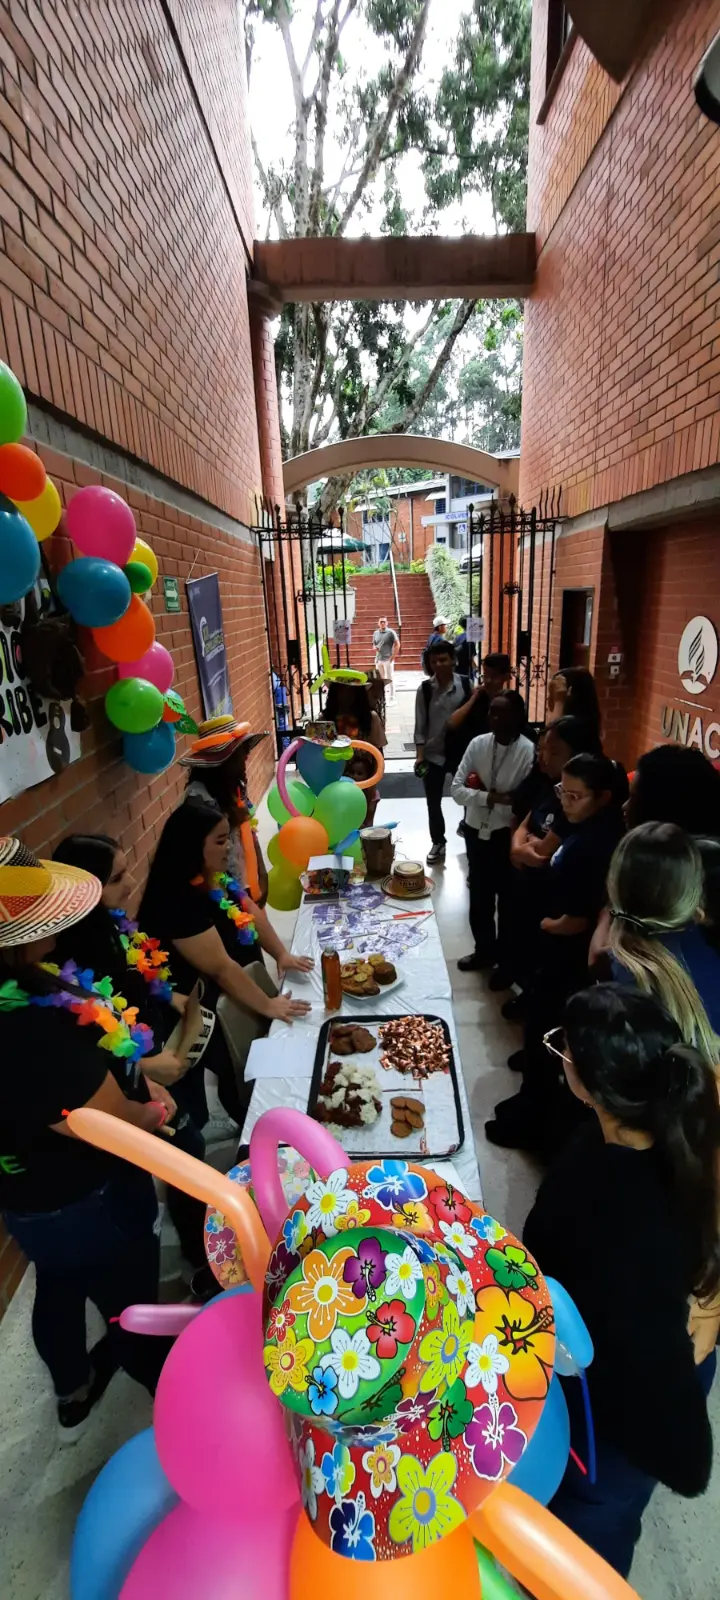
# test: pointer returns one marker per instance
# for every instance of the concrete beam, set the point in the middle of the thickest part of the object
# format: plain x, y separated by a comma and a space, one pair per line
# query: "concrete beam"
499, 267
615, 30
401, 450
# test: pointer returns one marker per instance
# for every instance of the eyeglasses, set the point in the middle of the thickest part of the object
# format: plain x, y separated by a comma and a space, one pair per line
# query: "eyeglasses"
558, 1035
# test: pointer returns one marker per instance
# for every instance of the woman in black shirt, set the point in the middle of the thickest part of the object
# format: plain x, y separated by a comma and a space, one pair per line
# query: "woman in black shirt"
627, 1221
87, 1220
214, 931
97, 943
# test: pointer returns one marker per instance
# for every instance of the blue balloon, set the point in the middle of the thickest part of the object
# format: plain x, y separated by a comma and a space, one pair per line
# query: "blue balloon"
150, 752
541, 1468
19, 554
125, 1504
313, 767
574, 1347
96, 592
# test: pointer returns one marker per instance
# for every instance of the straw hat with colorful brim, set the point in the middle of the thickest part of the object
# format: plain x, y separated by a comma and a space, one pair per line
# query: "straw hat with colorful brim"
411, 1340
219, 738
38, 898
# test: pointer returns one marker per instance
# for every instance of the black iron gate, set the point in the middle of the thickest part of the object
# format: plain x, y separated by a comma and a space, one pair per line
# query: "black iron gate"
308, 568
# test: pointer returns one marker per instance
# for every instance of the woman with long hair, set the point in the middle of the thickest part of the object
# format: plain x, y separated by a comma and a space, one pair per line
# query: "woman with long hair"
572, 693
672, 784
655, 896
217, 773
627, 1221
108, 943
215, 932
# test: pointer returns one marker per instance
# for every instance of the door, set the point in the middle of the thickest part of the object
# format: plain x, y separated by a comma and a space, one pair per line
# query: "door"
576, 627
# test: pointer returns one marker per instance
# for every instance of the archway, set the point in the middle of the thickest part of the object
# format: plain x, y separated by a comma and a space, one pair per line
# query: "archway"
402, 450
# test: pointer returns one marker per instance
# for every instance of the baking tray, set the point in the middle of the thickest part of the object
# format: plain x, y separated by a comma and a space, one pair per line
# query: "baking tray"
444, 1131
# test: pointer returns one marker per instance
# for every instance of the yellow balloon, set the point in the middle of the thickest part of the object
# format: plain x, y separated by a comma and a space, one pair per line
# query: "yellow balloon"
44, 513
142, 552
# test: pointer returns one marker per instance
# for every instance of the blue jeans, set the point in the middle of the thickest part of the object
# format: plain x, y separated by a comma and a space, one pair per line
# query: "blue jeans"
608, 1514
103, 1248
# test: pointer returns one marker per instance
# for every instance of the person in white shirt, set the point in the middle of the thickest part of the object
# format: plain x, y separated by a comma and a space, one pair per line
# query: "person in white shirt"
491, 769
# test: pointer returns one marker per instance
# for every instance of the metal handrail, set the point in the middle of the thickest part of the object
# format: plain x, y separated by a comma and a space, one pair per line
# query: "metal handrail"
395, 590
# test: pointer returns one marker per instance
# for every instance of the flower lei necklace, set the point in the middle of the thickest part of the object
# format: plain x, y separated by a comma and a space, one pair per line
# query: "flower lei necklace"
228, 895
144, 955
123, 1035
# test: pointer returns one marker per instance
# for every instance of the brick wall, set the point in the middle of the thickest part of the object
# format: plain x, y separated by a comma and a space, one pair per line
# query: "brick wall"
122, 266
622, 368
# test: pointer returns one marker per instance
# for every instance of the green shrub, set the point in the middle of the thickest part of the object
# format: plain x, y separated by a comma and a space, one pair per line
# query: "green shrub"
448, 590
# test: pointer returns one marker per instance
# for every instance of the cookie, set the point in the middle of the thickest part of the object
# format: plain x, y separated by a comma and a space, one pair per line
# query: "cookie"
363, 1040
401, 1130
385, 972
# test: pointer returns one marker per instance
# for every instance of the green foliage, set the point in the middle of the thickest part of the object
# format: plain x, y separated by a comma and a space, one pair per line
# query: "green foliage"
448, 590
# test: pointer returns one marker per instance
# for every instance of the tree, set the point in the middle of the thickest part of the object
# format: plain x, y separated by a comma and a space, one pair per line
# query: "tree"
340, 365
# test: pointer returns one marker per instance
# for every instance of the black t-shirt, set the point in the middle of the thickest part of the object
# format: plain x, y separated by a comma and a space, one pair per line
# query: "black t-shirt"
605, 1224
536, 796
189, 911
578, 870
49, 1065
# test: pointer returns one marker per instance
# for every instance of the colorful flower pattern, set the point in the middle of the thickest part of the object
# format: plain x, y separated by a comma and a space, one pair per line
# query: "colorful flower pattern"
415, 1365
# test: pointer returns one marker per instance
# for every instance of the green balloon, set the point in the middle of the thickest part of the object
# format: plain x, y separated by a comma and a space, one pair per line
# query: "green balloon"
134, 705
302, 798
355, 850
13, 410
274, 853
494, 1585
340, 808
284, 892
138, 576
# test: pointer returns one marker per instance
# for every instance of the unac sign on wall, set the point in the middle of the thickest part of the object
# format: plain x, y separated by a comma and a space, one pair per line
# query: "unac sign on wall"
697, 667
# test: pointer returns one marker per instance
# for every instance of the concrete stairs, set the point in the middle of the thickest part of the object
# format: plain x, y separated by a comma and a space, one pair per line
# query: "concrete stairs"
375, 598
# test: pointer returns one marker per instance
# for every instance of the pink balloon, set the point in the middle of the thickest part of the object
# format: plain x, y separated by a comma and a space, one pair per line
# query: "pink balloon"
219, 1430
287, 1126
196, 1556
153, 1319
101, 523
156, 665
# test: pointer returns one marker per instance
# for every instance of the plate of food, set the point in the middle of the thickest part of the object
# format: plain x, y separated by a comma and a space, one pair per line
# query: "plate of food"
365, 977
388, 1089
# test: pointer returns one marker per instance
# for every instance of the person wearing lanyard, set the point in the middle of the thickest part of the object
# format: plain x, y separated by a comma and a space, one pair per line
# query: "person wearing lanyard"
434, 704
493, 766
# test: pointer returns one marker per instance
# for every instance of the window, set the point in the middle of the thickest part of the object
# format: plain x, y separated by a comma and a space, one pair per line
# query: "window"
558, 33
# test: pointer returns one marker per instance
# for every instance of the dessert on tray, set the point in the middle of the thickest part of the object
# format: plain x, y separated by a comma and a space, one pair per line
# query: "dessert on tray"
408, 1115
349, 1039
349, 1096
415, 1046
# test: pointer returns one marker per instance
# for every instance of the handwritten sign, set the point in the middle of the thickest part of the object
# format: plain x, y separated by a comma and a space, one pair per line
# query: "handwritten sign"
342, 631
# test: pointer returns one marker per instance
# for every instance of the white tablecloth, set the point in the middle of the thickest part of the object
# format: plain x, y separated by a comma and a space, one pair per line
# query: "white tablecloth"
425, 987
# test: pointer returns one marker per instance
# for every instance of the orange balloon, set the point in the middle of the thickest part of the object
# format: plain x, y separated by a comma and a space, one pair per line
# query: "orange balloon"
300, 838
22, 474
129, 638
443, 1570
153, 1154
541, 1552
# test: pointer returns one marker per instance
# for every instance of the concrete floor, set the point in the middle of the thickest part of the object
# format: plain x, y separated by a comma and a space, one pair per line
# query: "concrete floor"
42, 1486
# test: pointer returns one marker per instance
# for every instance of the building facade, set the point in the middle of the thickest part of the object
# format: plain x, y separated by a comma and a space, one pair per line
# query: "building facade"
621, 401
126, 238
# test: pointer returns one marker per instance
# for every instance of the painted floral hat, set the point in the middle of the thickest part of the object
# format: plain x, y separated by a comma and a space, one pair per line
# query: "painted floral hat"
411, 1340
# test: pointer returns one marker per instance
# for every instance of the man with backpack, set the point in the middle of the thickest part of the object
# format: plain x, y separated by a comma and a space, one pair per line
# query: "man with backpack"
437, 750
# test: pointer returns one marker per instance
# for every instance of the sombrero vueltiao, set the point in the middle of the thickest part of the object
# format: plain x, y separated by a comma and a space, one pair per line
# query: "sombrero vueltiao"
219, 738
411, 1340
38, 898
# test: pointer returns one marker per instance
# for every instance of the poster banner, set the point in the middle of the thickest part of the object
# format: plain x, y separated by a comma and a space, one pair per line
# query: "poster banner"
36, 740
209, 640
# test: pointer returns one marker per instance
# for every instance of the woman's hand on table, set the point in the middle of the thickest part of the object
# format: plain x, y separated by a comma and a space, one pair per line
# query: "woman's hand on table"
290, 963
284, 1009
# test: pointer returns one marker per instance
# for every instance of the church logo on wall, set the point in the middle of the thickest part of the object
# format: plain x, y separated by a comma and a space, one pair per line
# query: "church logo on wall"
698, 655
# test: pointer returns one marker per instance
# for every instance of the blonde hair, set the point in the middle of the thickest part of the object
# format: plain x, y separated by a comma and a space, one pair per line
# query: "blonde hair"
655, 886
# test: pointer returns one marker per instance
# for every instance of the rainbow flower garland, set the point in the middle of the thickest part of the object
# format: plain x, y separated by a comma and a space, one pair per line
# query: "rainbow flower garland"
123, 1035
144, 955
228, 894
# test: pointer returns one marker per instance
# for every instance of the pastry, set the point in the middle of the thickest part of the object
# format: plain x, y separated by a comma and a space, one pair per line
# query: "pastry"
385, 972
407, 1112
401, 1130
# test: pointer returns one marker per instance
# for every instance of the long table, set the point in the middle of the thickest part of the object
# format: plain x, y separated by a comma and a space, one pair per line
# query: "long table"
361, 920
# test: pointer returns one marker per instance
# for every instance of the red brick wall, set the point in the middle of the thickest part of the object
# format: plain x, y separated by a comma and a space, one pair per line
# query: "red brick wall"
578, 564
405, 549
622, 371
122, 267
211, 39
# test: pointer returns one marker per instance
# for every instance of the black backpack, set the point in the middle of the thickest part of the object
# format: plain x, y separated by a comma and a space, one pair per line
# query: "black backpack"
456, 740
